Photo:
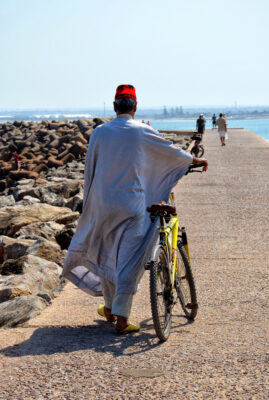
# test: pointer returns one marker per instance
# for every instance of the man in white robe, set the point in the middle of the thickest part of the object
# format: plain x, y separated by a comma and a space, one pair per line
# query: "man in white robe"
129, 166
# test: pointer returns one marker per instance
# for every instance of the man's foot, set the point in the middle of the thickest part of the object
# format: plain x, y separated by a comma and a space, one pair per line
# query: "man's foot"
123, 326
106, 313
129, 328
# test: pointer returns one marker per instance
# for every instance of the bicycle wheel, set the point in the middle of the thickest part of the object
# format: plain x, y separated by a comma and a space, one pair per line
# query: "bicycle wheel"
160, 294
184, 284
200, 151
195, 150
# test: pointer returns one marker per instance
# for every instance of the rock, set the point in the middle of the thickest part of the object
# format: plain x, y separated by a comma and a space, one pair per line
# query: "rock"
64, 237
75, 202
13, 218
40, 167
79, 138
87, 134
11, 248
47, 230
78, 149
67, 158
21, 192
28, 200
7, 201
49, 197
3, 185
82, 126
28, 275
46, 249
97, 122
21, 309
17, 175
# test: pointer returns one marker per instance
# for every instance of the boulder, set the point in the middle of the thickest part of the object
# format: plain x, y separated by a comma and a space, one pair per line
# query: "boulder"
69, 157
20, 310
75, 202
3, 186
29, 275
28, 200
7, 201
64, 237
78, 149
13, 218
53, 162
82, 125
46, 249
49, 197
11, 248
47, 230
17, 175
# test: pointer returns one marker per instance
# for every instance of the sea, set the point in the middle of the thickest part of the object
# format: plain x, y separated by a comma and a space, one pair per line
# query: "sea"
256, 125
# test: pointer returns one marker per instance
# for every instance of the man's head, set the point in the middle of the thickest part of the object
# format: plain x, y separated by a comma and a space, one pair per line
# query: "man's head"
201, 115
220, 115
125, 100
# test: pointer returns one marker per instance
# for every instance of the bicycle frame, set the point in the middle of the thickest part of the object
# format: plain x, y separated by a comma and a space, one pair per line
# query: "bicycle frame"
173, 227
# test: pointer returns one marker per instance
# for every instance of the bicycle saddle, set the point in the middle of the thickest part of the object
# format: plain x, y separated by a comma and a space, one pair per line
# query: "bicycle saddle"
162, 206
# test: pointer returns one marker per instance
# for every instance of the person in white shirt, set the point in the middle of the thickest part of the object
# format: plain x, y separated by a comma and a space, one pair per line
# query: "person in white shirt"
222, 129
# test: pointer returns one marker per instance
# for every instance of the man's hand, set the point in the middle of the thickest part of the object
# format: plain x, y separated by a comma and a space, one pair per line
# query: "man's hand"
199, 161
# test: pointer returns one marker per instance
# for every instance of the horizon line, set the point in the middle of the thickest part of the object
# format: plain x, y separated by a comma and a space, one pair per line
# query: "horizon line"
139, 108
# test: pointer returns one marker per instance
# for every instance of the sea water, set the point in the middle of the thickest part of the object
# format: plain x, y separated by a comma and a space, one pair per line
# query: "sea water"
258, 126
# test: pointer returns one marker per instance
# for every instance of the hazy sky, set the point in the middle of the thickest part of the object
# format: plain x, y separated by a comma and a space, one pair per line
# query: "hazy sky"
73, 53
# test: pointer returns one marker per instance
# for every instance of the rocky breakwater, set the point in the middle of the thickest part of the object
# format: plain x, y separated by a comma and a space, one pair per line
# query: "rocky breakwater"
39, 208
40, 146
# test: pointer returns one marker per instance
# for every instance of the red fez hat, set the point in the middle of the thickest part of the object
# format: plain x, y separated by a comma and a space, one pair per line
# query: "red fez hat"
125, 91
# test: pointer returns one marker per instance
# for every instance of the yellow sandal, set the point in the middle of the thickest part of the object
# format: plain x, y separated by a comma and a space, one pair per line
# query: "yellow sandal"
129, 328
101, 311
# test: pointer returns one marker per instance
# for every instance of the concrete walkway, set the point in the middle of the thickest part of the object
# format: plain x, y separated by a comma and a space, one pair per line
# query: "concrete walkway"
69, 353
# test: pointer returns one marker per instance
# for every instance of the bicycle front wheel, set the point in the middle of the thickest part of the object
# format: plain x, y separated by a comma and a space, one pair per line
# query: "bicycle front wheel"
160, 294
184, 283
201, 151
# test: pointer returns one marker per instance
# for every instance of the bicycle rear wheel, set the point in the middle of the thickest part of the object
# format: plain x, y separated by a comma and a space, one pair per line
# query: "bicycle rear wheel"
184, 283
160, 294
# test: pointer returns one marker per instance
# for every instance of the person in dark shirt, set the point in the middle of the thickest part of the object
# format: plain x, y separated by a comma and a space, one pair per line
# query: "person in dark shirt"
214, 120
200, 125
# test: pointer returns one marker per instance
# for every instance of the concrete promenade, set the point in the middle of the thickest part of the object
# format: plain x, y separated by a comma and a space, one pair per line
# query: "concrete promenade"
68, 352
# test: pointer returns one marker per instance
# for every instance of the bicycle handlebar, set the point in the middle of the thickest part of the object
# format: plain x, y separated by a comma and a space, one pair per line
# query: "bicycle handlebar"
194, 166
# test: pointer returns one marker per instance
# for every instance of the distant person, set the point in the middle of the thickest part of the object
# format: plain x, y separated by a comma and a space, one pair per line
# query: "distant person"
222, 128
143, 121
214, 120
148, 123
200, 125
16, 160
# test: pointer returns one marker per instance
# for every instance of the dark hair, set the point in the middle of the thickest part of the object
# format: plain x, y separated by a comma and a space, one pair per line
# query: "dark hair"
220, 115
125, 105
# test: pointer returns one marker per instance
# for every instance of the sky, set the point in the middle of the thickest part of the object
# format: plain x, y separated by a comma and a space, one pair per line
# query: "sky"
74, 53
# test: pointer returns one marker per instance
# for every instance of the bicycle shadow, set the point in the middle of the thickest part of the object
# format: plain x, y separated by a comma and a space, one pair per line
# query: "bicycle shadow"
100, 338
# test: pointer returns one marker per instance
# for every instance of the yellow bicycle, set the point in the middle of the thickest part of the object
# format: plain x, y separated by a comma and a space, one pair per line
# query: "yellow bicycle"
171, 277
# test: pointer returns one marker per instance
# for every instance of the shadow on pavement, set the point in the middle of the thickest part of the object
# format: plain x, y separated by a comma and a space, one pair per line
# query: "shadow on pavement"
99, 338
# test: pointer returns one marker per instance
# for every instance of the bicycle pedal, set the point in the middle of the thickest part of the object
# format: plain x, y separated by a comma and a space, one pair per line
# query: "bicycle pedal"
192, 306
